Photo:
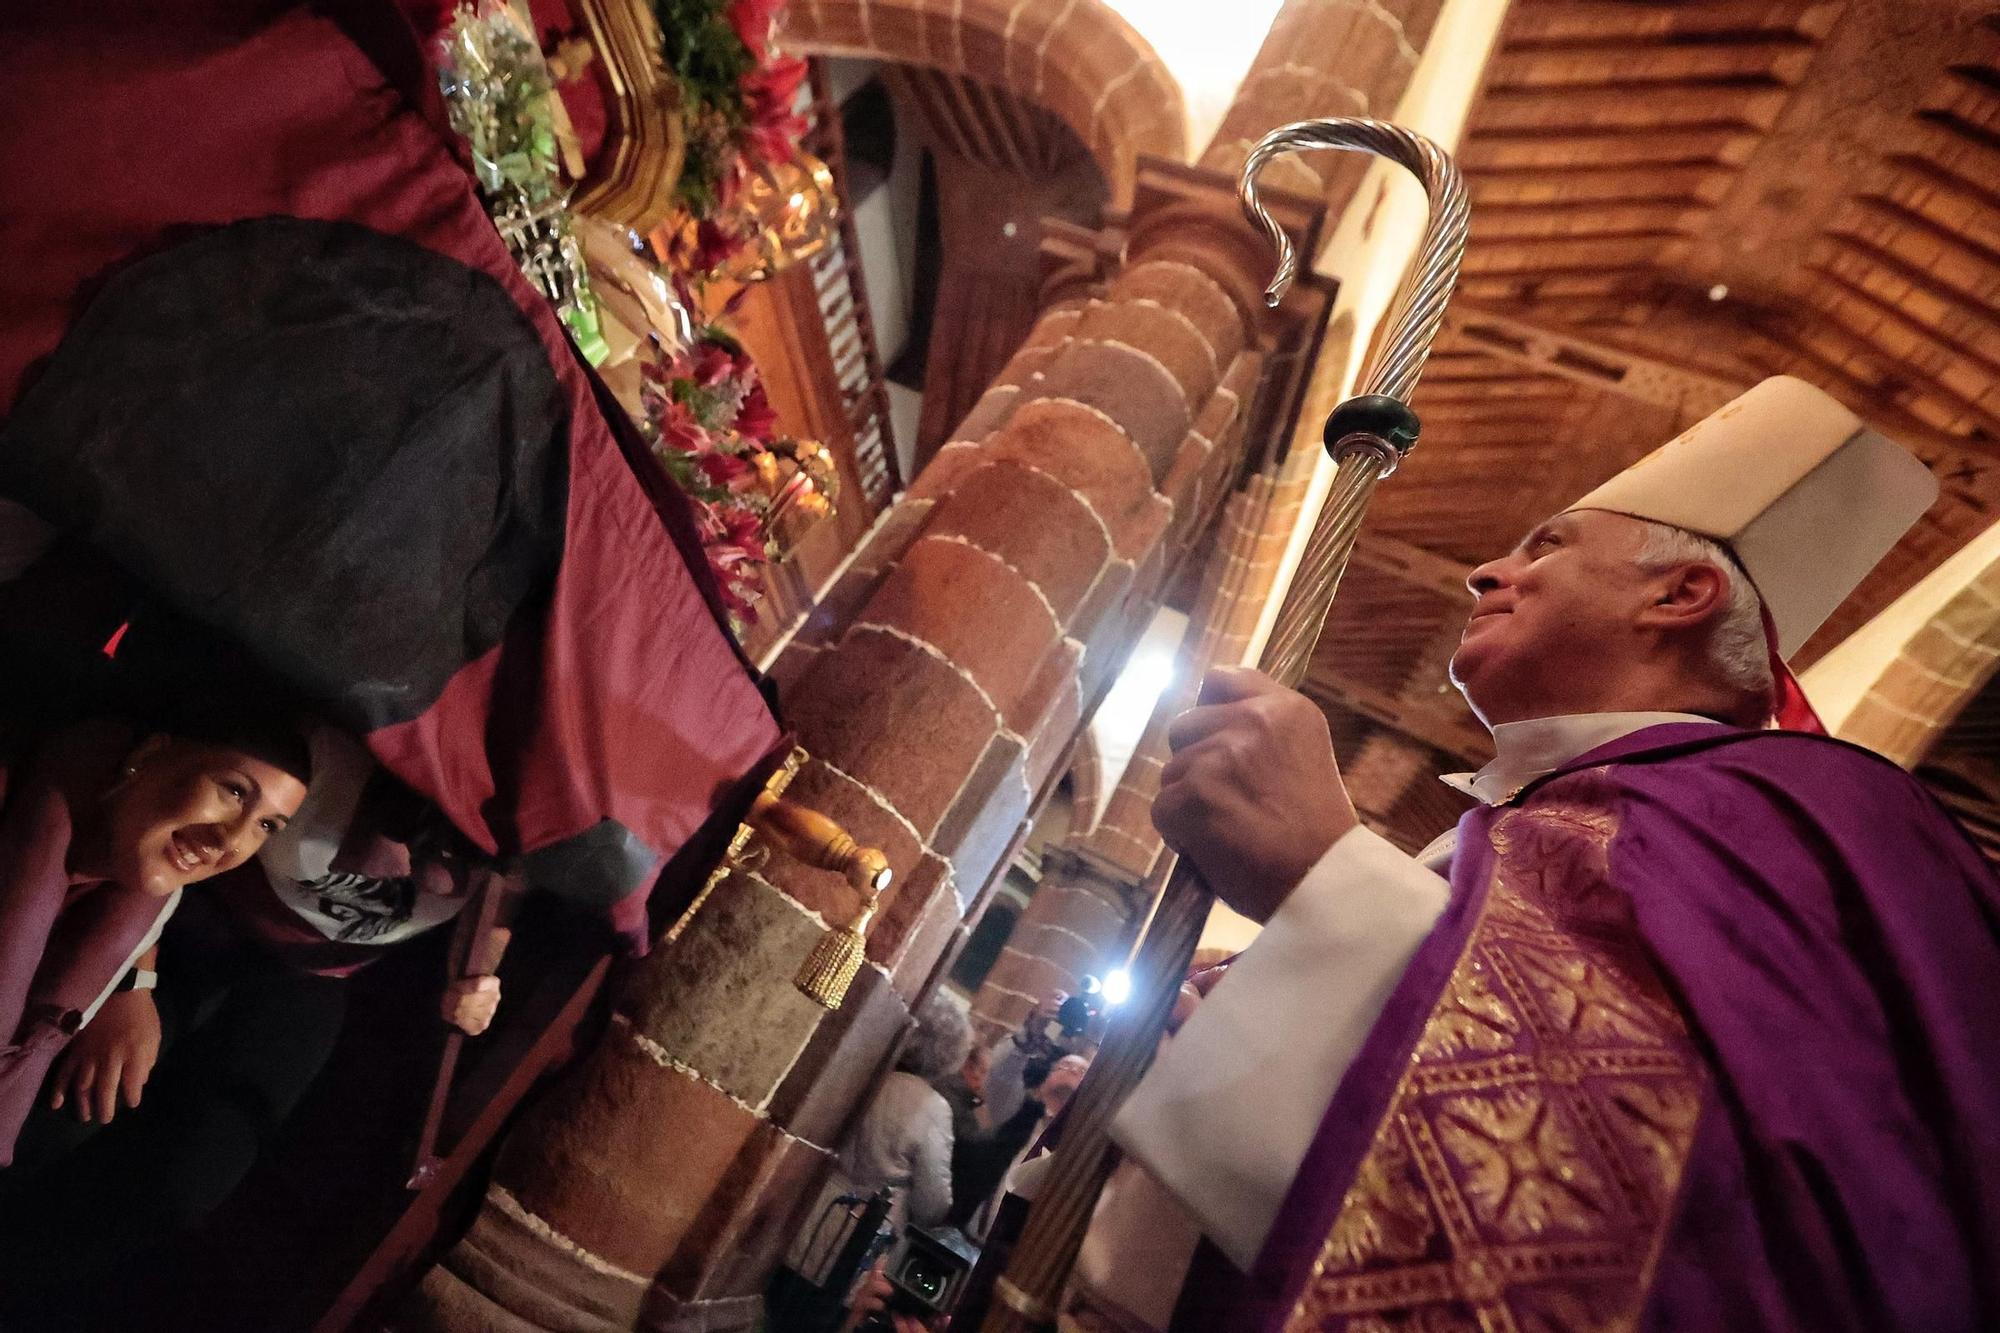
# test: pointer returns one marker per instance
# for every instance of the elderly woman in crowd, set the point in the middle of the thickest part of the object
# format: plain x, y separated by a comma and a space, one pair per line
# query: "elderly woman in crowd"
903, 1140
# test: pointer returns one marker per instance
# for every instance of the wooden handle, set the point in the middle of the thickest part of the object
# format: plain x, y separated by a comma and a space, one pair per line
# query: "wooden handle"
809, 836
488, 948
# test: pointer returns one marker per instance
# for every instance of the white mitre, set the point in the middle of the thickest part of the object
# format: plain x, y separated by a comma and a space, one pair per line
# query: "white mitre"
1804, 495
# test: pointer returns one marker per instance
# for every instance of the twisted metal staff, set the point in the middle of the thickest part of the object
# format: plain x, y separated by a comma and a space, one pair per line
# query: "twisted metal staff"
1367, 436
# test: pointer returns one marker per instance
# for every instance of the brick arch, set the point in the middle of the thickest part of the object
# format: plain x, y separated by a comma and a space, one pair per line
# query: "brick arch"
1076, 57
1926, 681
1086, 781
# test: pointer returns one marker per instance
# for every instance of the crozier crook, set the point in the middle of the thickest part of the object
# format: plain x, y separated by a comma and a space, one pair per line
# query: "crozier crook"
1366, 435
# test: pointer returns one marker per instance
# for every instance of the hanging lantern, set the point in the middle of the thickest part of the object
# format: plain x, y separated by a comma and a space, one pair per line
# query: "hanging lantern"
803, 485
782, 212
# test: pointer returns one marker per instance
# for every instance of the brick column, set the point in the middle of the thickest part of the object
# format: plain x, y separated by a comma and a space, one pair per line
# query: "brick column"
1083, 917
656, 1187
1323, 57
1917, 693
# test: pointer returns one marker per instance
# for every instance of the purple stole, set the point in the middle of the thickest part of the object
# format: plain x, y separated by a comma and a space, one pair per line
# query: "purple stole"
1706, 1038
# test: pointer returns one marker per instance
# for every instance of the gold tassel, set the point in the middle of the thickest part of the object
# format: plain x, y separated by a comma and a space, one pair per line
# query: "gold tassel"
816, 840
836, 959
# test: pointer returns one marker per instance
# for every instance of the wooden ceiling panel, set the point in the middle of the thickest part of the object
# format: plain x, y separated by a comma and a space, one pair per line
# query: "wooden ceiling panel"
1752, 62
1604, 108
1552, 148
1641, 27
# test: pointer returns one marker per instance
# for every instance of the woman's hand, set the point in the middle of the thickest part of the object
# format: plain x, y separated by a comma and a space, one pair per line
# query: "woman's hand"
470, 1003
113, 1054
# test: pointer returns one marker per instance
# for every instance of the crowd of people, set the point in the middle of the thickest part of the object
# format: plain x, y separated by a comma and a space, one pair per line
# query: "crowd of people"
947, 1134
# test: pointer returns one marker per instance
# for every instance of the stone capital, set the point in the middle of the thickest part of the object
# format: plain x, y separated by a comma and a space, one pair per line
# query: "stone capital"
1191, 214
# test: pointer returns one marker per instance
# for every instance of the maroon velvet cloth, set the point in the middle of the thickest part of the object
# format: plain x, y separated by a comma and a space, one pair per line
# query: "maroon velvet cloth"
615, 721
1833, 942
60, 944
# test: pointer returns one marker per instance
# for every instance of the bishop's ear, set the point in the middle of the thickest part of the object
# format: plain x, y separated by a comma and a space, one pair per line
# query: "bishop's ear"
1686, 596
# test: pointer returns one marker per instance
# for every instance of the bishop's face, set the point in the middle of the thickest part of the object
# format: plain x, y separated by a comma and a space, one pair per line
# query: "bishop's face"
1549, 615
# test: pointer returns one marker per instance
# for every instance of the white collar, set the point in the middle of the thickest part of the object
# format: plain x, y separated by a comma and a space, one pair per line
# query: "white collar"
1528, 750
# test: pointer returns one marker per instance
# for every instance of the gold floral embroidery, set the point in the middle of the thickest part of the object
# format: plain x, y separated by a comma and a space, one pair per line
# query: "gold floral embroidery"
1525, 1173
1581, 999
1395, 1223
1658, 1120
1471, 1020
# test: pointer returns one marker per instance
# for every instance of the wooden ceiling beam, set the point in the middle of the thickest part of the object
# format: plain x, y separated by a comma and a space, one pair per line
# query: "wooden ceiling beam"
1553, 352
1569, 220
1535, 187
1537, 258
1771, 60
1955, 458
1589, 22
1464, 739
1414, 564
1560, 147
1616, 287
1882, 323
1618, 107
1969, 327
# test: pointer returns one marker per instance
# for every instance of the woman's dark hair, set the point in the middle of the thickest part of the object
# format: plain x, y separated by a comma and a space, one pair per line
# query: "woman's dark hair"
261, 727
173, 676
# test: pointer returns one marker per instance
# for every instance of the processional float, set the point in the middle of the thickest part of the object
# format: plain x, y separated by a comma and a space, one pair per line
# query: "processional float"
1367, 436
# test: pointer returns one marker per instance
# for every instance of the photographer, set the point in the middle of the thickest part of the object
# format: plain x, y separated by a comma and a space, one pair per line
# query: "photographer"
981, 1161
1057, 1027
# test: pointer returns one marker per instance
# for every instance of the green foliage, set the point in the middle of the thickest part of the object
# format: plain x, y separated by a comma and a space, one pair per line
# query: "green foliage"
709, 60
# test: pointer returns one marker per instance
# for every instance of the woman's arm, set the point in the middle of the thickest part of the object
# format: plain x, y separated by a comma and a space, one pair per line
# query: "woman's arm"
113, 1054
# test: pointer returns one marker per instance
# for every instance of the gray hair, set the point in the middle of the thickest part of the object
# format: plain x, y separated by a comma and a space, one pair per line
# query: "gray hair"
940, 1042
1736, 647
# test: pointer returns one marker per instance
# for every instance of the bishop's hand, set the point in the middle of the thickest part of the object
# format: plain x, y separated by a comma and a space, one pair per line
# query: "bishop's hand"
1252, 795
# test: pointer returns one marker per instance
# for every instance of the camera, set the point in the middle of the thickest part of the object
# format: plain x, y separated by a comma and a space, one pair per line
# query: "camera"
925, 1275
1057, 1038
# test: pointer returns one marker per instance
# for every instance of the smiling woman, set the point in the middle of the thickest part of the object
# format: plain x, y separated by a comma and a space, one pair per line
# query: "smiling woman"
192, 805
103, 824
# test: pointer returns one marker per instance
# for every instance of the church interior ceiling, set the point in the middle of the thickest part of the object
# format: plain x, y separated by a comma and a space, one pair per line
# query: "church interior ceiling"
1670, 202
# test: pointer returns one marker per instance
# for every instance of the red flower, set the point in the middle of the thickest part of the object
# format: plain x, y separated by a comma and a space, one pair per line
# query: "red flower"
772, 125
711, 247
745, 529
756, 420
713, 363
725, 470
679, 429
753, 21
716, 468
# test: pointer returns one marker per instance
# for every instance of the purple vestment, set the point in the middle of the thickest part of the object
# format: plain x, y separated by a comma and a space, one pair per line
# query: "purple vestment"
1708, 1037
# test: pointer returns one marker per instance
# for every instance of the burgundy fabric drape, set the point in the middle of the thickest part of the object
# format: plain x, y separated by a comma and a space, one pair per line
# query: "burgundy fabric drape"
260, 343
